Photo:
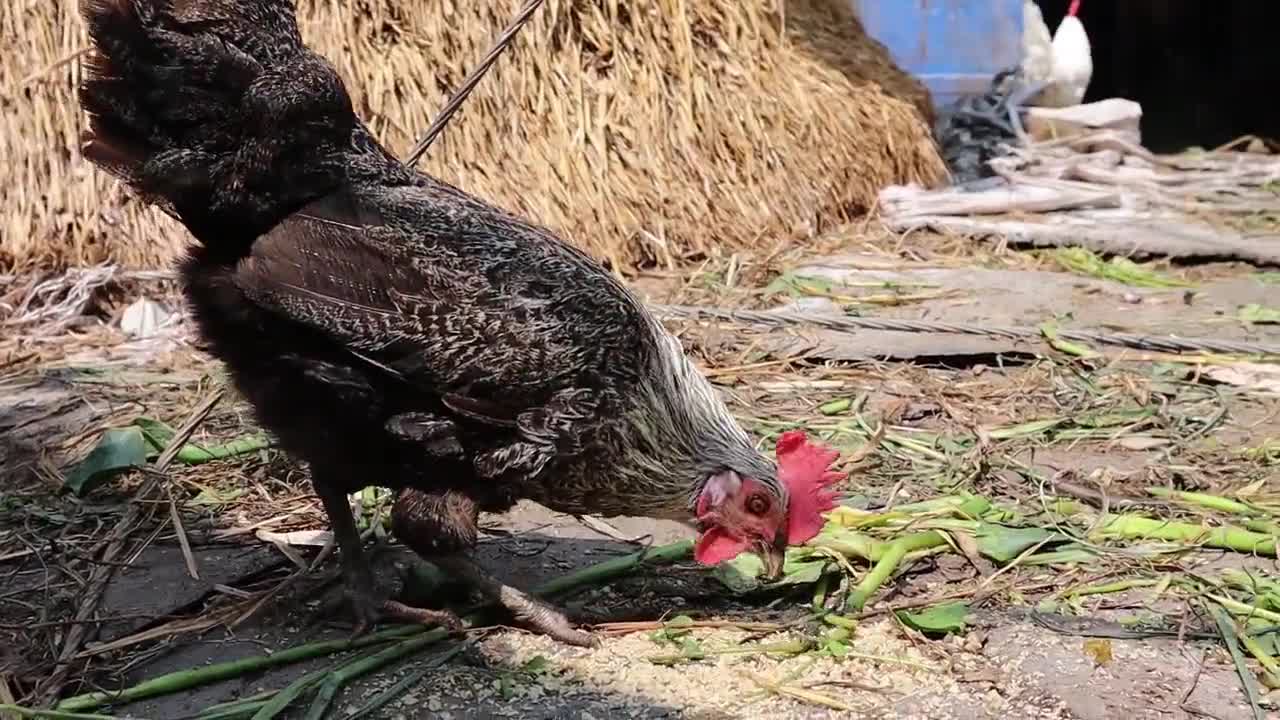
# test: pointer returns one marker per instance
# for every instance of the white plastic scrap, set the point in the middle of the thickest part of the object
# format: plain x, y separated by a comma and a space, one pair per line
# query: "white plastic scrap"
144, 318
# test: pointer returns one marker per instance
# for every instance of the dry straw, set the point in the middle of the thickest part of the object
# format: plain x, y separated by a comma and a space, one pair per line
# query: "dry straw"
644, 131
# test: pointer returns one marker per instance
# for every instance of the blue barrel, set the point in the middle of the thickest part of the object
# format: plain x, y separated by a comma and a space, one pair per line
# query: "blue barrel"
954, 47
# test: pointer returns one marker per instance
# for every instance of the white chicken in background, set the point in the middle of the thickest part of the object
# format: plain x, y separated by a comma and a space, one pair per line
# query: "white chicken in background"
1065, 64
1037, 45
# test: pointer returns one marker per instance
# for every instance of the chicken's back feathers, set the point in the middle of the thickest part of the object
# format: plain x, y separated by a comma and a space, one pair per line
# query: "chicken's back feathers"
511, 331
473, 303
214, 110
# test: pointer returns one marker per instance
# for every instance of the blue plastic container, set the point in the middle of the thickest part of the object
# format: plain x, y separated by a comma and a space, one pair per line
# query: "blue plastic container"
954, 47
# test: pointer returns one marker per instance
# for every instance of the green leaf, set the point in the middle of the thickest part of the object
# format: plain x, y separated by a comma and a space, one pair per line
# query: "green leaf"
691, 649
1003, 544
836, 642
1255, 314
536, 665
742, 574
119, 449
944, 618
673, 629
1086, 262
158, 434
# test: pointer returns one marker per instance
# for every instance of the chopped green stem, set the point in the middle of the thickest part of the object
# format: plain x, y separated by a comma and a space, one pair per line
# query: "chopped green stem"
851, 544
1270, 667
888, 563
1035, 427
195, 454
1231, 639
1269, 527
406, 682
1212, 502
52, 714
1248, 581
610, 569
187, 679
282, 699
820, 590
236, 712
1114, 587
1245, 609
339, 678
1227, 537
256, 699
948, 502
840, 621
835, 407
788, 647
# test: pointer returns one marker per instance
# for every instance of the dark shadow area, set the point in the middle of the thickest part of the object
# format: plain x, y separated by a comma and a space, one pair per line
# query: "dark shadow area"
157, 587
1203, 70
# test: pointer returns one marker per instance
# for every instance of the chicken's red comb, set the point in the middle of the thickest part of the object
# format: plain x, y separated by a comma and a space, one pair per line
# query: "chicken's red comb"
805, 469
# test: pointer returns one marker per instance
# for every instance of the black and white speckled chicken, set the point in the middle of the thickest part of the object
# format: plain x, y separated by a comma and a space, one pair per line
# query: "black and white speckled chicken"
392, 330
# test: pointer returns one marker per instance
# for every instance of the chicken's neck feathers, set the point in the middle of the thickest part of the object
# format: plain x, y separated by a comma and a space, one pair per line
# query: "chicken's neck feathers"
682, 433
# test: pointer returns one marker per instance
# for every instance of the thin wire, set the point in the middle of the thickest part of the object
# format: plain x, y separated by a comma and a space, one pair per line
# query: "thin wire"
851, 324
470, 82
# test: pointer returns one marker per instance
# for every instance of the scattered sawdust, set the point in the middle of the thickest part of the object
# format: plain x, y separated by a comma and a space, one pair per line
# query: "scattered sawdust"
923, 680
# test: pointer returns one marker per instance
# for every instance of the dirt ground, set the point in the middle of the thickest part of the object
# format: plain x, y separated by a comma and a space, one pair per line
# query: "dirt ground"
1029, 650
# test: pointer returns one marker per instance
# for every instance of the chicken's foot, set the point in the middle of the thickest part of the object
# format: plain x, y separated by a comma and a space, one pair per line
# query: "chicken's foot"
356, 576
441, 525
399, 611
367, 603
535, 613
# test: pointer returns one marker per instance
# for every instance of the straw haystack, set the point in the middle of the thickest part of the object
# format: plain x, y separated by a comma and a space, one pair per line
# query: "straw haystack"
646, 131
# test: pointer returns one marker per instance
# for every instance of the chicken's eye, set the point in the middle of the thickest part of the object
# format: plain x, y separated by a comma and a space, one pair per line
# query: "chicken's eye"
757, 505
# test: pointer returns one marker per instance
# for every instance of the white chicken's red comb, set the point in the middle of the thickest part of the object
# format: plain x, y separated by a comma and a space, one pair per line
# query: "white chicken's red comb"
804, 468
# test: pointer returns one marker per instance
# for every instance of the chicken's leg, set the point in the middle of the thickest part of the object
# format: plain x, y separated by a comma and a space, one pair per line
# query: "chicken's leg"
356, 576
440, 526
533, 612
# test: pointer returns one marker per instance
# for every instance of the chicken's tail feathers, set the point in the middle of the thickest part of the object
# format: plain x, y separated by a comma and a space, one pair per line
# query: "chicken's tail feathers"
212, 109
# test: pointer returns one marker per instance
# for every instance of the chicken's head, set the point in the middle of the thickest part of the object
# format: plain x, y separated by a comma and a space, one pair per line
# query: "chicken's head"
736, 513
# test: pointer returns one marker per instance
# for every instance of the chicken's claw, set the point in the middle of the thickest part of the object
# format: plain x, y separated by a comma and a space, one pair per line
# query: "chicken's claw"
444, 618
530, 611
547, 620
365, 607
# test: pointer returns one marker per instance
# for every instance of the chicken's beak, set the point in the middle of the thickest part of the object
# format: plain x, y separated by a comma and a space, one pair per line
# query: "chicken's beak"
773, 555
